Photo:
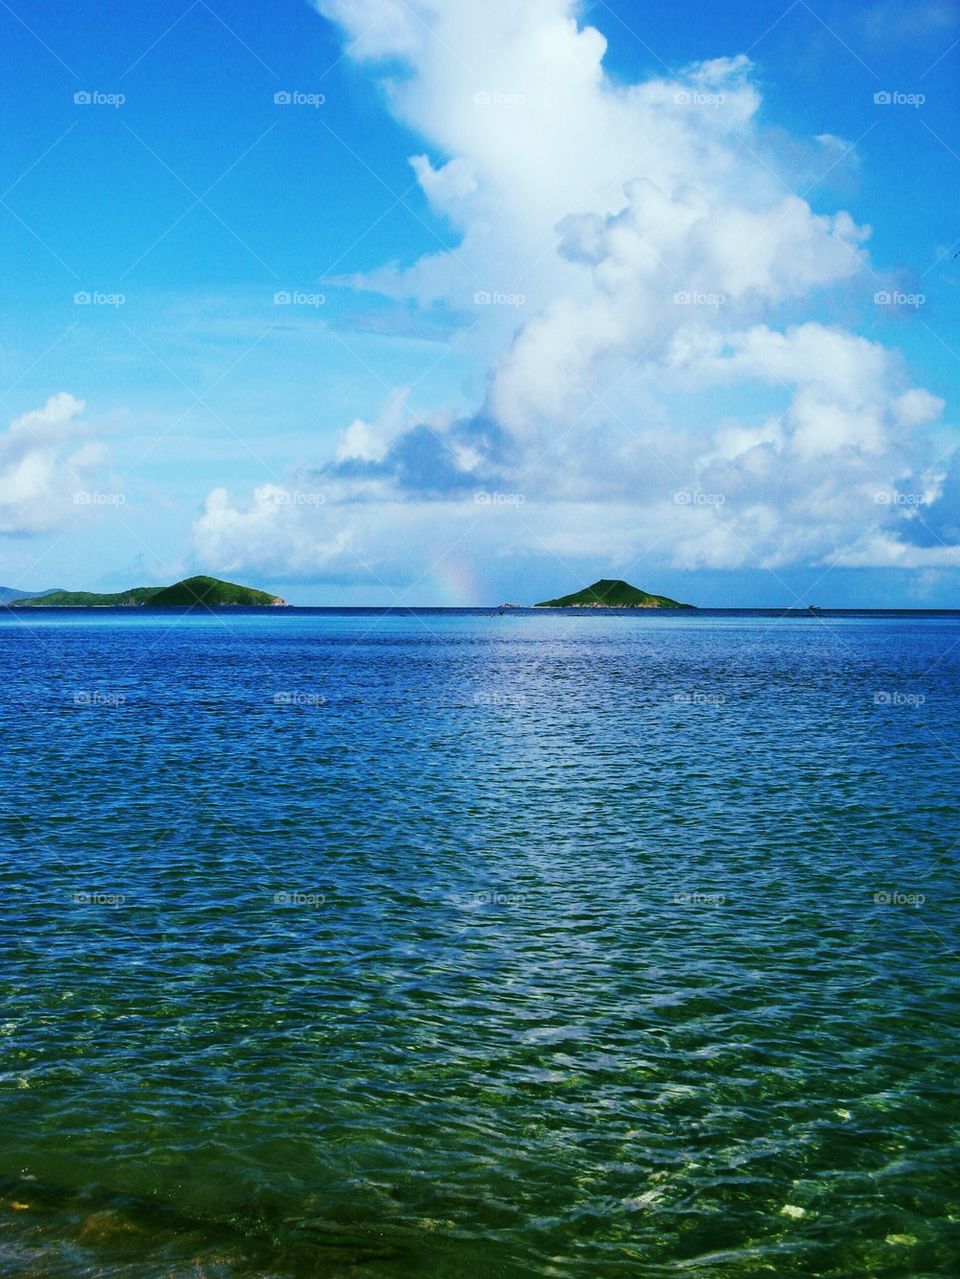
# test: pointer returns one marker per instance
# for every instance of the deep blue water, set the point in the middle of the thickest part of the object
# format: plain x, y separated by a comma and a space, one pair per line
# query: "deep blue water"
450, 944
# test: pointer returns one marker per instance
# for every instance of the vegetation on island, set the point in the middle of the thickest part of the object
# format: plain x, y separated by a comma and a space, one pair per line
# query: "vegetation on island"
8, 594
192, 592
612, 593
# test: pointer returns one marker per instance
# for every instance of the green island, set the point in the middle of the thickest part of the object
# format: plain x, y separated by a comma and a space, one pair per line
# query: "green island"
192, 592
10, 593
612, 593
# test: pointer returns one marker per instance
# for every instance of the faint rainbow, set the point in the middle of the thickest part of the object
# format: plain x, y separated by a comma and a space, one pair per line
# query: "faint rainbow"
456, 584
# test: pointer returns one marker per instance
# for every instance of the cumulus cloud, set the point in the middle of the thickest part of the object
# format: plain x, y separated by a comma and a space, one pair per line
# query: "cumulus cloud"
370, 442
48, 466
668, 381
281, 531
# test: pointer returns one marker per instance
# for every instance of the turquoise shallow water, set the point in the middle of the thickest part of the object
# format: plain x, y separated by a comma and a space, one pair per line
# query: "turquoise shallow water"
454, 944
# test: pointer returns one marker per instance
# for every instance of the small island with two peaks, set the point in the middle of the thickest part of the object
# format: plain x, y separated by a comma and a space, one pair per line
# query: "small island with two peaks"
612, 593
192, 592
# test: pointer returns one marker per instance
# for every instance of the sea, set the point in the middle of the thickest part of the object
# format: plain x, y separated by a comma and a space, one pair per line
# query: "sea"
432, 944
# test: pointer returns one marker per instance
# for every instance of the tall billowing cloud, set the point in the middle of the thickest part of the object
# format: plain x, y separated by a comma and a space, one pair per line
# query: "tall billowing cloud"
666, 376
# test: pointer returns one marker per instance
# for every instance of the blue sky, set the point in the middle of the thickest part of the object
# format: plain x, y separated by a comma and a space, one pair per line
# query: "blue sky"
385, 437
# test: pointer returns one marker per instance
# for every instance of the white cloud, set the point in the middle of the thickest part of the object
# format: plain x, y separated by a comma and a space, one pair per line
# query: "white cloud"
665, 263
47, 466
370, 442
281, 530
450, 182
883, 551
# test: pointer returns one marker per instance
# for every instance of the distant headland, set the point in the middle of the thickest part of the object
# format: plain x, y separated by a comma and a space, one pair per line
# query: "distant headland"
612, 593
192, 592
